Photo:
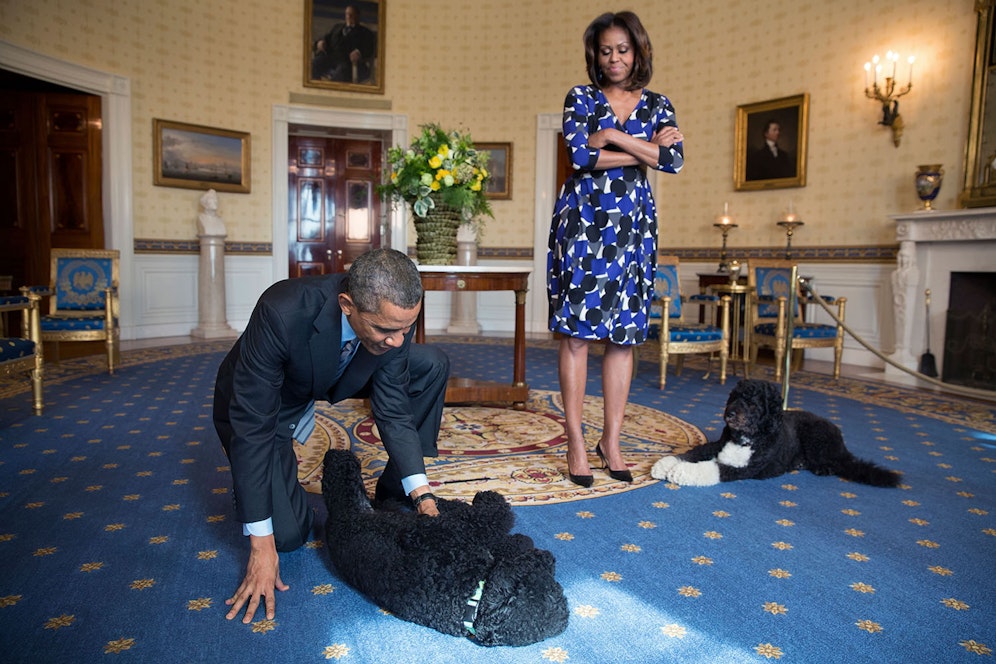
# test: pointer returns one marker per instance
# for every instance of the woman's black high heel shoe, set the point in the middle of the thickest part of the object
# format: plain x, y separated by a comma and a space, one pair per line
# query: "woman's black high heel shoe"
581, 480
621, 475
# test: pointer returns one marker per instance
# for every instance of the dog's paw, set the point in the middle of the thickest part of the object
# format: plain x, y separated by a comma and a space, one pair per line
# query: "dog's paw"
661, 469
690, 473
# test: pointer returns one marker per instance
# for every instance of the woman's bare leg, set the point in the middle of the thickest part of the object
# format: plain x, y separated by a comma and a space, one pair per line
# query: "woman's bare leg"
573, 372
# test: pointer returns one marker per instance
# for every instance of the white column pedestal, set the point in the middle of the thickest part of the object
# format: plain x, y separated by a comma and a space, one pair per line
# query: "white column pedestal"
211, 291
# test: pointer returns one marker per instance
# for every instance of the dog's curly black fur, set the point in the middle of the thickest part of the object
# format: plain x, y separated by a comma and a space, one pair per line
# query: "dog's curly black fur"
425, 569
760, 440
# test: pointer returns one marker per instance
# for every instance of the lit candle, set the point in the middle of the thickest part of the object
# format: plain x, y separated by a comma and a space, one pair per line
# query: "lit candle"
910, 82
868, 67
877, 67
791, 215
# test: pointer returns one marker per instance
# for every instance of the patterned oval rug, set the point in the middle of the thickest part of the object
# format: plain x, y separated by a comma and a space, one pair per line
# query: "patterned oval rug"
522, 454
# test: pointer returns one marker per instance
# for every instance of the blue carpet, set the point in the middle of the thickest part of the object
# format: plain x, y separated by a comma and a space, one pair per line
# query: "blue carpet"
118, 539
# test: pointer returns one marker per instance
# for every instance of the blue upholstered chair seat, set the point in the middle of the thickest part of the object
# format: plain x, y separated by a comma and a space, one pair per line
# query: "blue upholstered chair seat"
23, 354
800, 330
13, 348
685, 333
75, 324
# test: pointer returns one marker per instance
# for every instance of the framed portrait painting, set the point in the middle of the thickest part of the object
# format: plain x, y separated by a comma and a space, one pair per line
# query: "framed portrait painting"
770, 150
197, 157
344, 45
499, 185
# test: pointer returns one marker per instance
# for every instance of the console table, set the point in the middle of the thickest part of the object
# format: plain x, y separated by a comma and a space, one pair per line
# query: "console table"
463, 278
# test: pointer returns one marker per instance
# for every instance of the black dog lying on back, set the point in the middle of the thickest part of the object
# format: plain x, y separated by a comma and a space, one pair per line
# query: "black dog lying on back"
760, 440
460, 573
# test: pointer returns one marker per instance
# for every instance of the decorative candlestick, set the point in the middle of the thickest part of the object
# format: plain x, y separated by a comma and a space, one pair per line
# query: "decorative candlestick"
725, 225
790, 223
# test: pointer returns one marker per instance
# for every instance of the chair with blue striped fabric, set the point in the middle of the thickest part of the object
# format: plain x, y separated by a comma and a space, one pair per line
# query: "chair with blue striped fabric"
771, 280
23, 354
680, 338
83, 298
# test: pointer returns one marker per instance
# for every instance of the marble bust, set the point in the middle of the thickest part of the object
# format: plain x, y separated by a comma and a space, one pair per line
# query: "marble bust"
208, 221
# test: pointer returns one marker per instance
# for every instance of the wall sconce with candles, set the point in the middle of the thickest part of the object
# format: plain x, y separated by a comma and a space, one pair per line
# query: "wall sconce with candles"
725, 224
886, 92
789, 221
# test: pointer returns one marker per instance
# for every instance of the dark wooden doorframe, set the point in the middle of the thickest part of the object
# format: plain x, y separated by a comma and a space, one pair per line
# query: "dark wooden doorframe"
334, 212
50, 175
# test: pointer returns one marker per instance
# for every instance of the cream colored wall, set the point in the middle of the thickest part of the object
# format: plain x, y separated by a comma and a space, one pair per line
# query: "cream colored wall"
491, 67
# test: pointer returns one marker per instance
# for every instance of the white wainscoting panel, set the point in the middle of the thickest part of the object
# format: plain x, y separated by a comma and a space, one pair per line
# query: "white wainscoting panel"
166, 292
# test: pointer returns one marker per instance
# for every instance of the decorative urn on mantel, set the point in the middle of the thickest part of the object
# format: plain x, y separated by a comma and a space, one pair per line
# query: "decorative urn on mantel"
442, 177
928, 183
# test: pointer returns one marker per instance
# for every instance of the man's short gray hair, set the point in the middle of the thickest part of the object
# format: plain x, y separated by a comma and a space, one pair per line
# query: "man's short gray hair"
383, 274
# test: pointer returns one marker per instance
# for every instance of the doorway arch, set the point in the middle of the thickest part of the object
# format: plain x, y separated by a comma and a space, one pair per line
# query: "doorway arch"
394, 126
115, 98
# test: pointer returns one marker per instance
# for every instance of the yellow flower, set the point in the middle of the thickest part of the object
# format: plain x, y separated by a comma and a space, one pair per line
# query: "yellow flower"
434, 186
441, 173
444, 151
435, 162
475, 186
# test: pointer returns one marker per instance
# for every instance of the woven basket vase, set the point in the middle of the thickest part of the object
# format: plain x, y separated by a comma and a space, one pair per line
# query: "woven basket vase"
436, 235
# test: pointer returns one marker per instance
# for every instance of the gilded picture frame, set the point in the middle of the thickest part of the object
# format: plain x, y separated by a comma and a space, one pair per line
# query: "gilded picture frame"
191, 156
344, 45
756, 165
499, 185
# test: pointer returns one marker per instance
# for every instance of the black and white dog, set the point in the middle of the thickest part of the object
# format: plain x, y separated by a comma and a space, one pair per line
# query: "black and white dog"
760, 440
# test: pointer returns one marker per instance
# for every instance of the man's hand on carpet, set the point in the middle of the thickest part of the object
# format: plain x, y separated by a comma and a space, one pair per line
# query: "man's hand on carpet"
262, 576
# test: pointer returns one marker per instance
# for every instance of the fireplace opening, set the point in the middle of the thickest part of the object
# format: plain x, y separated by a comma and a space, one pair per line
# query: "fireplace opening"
970, 331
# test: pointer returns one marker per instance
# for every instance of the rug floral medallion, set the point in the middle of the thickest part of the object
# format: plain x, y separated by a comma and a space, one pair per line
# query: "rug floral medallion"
519, 453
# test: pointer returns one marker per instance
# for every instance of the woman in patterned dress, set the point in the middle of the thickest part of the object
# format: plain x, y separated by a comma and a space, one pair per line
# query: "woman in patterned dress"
603, 239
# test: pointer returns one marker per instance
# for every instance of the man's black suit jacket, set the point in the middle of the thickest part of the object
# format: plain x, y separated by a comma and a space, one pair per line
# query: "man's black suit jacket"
287, 357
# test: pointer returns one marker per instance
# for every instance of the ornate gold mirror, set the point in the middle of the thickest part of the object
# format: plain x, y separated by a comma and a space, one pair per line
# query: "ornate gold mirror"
980, 154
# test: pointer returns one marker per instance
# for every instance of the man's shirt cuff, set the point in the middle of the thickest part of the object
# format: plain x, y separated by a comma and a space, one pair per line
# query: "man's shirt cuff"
413, 482
258, 528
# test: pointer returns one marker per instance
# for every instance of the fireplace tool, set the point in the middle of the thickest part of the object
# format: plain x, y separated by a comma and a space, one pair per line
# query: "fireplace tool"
928, 365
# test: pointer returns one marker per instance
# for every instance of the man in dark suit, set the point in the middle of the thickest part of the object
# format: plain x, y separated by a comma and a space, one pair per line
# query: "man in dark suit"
346, 51
329, 337
770, 161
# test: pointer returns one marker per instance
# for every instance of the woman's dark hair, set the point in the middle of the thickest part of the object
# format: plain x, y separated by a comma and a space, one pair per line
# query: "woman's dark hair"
383, 274
643, 53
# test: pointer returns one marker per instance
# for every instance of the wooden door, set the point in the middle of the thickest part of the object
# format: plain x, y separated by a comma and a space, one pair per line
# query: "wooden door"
50, 169
334, 211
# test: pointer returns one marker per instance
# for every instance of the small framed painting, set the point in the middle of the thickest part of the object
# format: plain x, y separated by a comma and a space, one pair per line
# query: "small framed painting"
499, 185
770, 150
197, 157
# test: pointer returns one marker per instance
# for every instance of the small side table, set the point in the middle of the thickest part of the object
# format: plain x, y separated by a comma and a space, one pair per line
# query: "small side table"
739, 317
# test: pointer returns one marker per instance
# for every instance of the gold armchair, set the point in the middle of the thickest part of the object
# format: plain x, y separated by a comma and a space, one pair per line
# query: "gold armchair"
677, 337
19, 355
772, 284
83, 300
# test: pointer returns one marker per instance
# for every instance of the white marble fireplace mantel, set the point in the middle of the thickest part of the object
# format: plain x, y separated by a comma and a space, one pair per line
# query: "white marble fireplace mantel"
932, 245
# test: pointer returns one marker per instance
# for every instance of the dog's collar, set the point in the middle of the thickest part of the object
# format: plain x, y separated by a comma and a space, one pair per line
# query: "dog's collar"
470, 610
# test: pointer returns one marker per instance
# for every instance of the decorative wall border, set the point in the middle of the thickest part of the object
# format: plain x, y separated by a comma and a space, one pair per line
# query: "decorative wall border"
871, 253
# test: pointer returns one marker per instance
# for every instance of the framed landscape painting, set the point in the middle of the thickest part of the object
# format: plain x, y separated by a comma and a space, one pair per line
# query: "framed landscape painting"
197, 157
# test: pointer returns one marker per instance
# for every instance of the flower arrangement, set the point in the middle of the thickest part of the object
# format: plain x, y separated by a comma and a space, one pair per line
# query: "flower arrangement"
439, 166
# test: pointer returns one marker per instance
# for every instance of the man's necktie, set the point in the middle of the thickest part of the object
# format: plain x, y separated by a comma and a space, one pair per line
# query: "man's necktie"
306, 425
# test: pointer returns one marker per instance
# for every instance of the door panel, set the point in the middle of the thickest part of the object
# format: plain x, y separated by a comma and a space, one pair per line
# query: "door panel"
50, 166
334, 212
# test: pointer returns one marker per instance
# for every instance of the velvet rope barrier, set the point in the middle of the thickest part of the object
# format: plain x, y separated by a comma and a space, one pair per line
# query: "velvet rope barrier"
985, 395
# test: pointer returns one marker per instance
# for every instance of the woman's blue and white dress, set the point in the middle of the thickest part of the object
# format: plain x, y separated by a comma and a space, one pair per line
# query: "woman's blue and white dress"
603, 238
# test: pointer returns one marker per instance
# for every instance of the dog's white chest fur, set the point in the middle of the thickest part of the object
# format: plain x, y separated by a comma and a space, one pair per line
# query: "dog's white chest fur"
734, 455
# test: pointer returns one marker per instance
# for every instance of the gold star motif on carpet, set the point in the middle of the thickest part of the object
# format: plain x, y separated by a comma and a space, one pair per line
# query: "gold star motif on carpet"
120, 645
60, 621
